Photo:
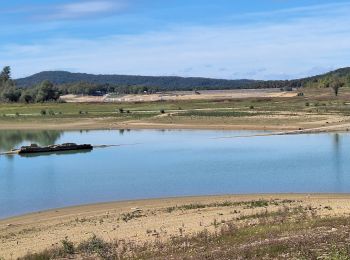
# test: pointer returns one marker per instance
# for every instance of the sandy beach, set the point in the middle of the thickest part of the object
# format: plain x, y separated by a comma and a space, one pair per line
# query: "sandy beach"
149, 220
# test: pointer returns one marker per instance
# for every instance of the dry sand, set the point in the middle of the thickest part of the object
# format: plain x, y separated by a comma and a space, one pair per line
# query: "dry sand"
306, 122
182, 95
148, 219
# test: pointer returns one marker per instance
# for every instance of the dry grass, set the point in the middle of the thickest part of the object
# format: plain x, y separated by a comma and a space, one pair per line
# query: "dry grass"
291, 232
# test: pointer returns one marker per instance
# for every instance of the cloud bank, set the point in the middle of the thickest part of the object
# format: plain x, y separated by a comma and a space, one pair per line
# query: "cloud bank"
301, 45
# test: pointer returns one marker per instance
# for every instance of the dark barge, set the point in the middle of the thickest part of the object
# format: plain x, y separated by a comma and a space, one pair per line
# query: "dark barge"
34, 148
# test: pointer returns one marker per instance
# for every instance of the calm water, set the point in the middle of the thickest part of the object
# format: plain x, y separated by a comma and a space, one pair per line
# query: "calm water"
155, 164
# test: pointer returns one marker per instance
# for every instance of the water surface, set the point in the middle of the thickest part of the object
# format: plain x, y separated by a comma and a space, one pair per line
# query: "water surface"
154, 164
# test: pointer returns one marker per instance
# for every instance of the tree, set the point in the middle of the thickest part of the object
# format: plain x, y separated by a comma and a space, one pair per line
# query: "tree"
5, 74
27, 96
336, 84
11, 94
47, 92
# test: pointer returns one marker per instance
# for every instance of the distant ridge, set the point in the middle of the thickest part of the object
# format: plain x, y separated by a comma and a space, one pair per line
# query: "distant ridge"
162, 82
173, 82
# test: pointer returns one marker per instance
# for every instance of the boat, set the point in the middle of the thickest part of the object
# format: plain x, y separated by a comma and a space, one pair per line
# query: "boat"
34, 148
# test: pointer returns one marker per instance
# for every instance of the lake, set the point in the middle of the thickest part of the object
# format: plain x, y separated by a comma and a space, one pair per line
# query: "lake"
155, 164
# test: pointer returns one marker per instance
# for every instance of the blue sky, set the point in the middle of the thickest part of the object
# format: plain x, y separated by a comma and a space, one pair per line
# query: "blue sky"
257, 39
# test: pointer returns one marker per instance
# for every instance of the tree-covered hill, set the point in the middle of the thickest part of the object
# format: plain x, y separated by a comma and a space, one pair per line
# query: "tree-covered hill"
75, 82
161, 82
323, 80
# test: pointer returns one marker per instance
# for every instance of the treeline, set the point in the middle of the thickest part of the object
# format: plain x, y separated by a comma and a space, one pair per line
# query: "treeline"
87, 88
9, 92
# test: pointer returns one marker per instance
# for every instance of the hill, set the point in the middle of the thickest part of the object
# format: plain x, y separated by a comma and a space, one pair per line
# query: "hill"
162, 82
89, 83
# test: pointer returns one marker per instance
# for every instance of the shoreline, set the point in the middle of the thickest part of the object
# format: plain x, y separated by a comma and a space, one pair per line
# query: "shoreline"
150, 220
92, 125
153, 201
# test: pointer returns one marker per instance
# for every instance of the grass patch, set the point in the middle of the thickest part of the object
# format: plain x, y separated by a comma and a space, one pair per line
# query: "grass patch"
248, 204
217, 113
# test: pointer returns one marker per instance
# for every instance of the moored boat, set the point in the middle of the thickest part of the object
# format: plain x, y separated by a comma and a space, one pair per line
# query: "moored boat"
34, 148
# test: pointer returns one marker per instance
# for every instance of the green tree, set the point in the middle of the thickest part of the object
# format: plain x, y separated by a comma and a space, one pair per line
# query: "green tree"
47, 92
27, 96
5, 74
11, 94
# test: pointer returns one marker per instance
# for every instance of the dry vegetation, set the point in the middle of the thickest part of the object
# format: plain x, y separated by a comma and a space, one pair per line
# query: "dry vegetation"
226, 227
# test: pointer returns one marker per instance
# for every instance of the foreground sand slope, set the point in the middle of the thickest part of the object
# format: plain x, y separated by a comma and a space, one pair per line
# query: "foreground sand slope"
148, 220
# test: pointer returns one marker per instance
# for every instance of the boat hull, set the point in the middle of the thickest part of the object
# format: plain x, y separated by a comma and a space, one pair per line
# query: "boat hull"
54, 149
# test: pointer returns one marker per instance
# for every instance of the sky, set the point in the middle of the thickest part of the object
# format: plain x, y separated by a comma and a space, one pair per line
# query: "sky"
232, 39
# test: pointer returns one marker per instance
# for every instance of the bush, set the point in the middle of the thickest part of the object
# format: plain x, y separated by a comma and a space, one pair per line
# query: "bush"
94, 245
68, 246
162, 111
251, 107
43, 112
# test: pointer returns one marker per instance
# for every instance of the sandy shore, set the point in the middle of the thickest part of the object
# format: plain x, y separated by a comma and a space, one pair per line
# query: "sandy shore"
100, 124
147, 220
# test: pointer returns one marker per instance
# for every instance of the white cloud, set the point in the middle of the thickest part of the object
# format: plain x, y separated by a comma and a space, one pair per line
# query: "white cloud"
74, 9
85, 8
292, 48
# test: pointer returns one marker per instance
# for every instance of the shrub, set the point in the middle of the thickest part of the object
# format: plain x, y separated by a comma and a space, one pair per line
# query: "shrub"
162, 111
67, 246
43, 112
94, 245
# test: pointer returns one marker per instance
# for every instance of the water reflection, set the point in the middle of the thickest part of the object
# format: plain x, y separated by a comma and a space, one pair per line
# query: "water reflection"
10, 139
337, 159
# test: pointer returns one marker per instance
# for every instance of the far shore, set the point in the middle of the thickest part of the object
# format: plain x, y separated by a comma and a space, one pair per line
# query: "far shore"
317, 110
100, 124
147, 220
